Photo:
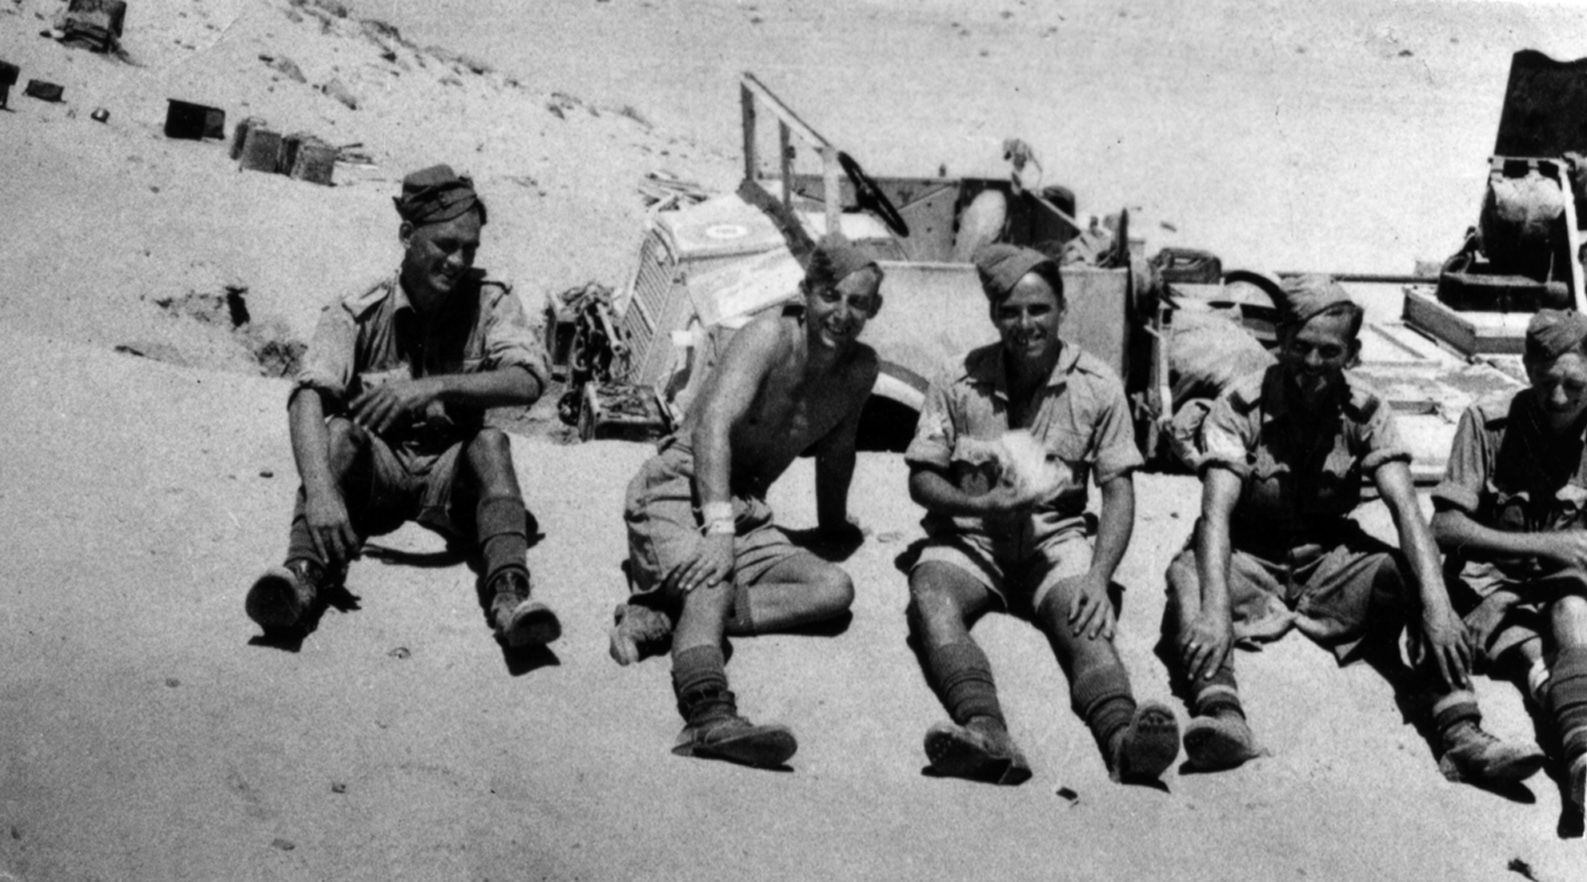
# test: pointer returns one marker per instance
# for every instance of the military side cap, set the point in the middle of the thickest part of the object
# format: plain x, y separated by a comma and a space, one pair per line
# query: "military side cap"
1001, 267
437, 194
834, 259
1554, 332
1307, 296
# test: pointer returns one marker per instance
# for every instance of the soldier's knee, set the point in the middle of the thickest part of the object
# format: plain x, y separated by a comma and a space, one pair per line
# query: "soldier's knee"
836, 590
1570, 611
492, 442
344, 439
930, 605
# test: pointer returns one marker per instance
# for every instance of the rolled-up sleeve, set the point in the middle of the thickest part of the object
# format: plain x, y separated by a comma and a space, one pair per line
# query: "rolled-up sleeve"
1116, 453
327, 366
509, 340
1227, 438
1383, 441
1467, 471
935, 435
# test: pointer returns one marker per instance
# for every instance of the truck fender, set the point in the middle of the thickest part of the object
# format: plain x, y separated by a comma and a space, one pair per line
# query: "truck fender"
900, 384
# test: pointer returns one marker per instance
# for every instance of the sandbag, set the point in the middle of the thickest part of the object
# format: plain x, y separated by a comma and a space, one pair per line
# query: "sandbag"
1517, 219
1207, 352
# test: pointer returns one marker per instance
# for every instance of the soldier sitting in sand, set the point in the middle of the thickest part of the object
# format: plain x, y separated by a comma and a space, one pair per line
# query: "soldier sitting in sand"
701, 543
1512, 515
1283, 454
1013, 534
387, 412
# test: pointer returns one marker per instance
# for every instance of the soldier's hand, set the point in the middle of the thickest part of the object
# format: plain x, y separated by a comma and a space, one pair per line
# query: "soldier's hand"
1206, 645
1486, 618
330, 529
1006, 499
1568, 548
1091, 612
711, 565
380, 408
1449, 645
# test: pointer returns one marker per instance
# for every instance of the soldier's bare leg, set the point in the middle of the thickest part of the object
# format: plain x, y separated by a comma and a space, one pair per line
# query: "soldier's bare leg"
1139, 742
944, 600
799, 591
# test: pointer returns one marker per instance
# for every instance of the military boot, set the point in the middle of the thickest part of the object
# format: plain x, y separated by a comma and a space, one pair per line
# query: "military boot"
517, 620
1473, 756
716, 731
283, 597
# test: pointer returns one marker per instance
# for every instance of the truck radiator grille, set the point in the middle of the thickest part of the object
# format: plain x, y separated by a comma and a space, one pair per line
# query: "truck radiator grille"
654, 309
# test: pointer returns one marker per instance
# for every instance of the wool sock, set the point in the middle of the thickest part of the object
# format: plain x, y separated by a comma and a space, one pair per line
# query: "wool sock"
962, 676
1568, 698
1102, 697
699, 679
503, 539
1453, 710
1219, 695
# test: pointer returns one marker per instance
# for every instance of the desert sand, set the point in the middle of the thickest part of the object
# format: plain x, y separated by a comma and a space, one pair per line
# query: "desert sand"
146, 733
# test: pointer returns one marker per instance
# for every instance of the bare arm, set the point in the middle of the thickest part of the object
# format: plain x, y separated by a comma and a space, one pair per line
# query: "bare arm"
1454, 530
1091, 611
1446, 635
932, 489
731, 392
380, 408
1116, 525
835, 456
1209, 639
324, 509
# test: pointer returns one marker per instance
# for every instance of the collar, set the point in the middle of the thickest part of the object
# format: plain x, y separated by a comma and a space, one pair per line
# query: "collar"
994, 370
1534, 415
399, 295
1278, 400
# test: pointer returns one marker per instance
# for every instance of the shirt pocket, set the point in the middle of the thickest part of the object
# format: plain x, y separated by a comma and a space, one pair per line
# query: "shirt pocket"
1269, 478
1338, 482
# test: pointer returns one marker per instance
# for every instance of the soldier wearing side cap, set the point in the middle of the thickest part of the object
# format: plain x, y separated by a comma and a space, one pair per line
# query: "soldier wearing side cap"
387, 420
997, 540
1511, 513
704, 558
1282, 455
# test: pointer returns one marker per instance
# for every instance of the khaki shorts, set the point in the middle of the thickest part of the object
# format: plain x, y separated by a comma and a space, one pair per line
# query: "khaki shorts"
1021, 585
398, 487
1528, 619
1335, 594
664, 526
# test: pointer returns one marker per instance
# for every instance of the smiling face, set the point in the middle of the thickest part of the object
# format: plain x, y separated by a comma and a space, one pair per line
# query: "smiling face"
1028, 319
836, 314
1316, 354
1561, 387
436, 257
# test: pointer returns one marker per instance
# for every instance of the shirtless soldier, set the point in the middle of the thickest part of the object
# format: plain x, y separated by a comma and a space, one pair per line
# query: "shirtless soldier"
387, 418
701, 543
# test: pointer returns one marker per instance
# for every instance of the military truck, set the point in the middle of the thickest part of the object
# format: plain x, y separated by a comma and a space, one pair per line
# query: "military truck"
707, 268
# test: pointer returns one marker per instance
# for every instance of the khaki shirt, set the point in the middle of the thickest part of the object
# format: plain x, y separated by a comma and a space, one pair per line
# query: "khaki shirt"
1300, 479
1507, 472
375, 336
1081, 416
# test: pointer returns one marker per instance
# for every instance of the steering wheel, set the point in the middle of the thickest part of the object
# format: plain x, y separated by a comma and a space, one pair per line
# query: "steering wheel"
871, 196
